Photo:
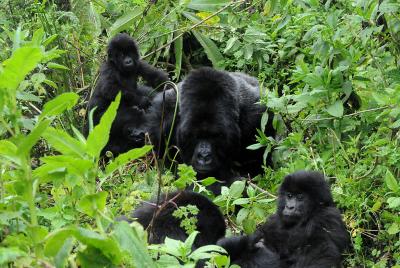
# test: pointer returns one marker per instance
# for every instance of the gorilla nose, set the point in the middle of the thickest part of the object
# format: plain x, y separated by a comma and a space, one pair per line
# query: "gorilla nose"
137, 136
128, 61
204, 159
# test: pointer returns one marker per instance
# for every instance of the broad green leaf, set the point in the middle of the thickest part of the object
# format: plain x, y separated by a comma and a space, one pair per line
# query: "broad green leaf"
8, 151
100, 134
241, 201
21, 63
55, 241
236, 189
208, 5
59, 104
208, 181
124, 158
9, 254
30, 140
242, 215
126, 21
190, 240
205, 252
61, 258
132, 242
393, 229
336, 109
64, 143
394, 202
106, 245
92, 203
391, 182
211, 49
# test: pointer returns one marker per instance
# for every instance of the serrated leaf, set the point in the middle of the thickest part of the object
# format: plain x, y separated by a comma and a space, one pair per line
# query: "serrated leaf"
124, 158
100, 134
64, 143
59, 104
30, 140
21, 63
131, 241
336, 109
92, 203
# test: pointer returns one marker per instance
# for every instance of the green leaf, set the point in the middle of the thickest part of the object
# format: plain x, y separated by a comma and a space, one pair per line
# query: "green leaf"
241, 201
211, 49
391, 182
10, 254
254, 146
92, 203
99, 136
61, 258
190, 240
53, 65
208, 5
126, 21
242, 215
178, 49
64, 143
59, 104
30, 140
394, 202
208, 181
8, 151
393, 229
124, 158
22, 62
55, 241
236, 189
336, 109
130, 241
206, 252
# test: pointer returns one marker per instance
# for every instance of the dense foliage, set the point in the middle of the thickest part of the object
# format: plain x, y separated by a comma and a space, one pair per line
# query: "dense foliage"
331, 75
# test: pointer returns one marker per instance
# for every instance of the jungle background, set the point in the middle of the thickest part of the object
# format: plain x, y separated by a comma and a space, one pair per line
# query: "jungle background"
329, 72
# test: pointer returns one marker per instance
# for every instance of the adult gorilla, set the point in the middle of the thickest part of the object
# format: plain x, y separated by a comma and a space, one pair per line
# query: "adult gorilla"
218, 118
161, 223
306, 231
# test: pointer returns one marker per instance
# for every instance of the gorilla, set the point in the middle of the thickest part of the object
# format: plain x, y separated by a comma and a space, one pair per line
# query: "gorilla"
120, 73
161, 223
132, 124
218, 117
306, 231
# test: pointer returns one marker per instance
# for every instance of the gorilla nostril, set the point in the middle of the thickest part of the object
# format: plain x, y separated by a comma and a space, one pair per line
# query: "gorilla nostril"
128, 61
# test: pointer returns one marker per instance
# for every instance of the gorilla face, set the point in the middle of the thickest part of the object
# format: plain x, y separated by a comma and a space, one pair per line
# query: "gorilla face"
203, 158
134, 135
123, 53
295, 206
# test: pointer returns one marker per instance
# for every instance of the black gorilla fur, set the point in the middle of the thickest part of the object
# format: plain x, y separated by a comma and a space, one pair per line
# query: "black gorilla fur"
120, 73
130, 128
307, 230
210, 222
218, 118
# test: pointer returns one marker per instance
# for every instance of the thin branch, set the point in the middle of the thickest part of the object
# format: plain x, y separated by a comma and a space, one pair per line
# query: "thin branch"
192, 27
260, 189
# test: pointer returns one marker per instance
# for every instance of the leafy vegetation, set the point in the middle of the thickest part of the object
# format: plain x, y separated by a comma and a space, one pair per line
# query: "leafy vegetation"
331, 75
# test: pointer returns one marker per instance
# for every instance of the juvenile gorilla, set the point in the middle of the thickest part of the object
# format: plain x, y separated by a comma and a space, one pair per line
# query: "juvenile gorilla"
120, 73
306, 231
218, 118
161, 223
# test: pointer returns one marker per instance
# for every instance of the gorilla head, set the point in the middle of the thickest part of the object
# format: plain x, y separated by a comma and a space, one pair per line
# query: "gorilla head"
300, 194
123, 53
208, 133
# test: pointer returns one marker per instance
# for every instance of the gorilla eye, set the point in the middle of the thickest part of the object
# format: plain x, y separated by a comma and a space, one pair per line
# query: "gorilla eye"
289, 195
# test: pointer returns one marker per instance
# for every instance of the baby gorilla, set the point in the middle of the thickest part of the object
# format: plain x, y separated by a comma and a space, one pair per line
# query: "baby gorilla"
120, 73
306, 231
161, 223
